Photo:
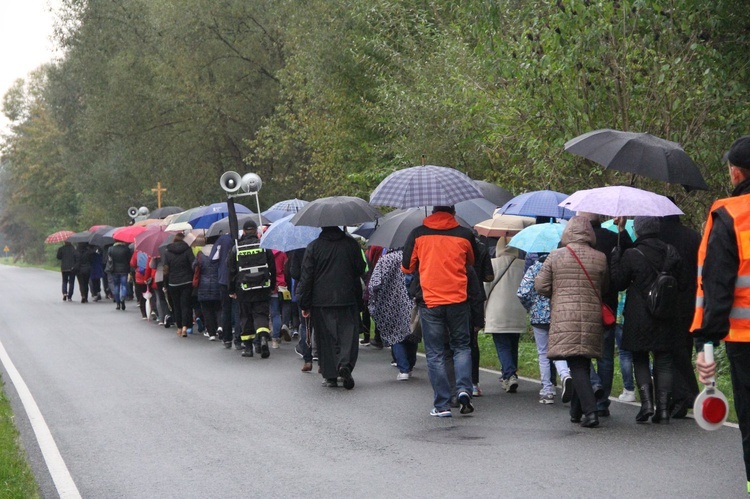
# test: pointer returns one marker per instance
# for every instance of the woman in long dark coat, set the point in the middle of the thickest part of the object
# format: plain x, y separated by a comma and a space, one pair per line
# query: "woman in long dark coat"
642, 332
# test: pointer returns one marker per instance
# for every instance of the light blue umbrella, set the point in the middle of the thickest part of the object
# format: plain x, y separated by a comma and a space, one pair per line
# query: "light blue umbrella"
539, 238
283, 236
274, 215
629, 227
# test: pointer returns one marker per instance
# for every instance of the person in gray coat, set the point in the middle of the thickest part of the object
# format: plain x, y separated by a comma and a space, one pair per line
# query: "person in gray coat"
574, 277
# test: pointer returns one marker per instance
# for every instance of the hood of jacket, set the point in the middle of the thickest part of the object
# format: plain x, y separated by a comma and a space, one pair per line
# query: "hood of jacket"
332, 234
440, 221
178, 247
578, 230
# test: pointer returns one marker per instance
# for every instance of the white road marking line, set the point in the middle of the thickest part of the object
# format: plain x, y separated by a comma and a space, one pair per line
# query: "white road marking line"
55, 463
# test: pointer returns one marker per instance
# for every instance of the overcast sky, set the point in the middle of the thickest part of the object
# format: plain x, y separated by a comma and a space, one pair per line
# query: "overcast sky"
25, 39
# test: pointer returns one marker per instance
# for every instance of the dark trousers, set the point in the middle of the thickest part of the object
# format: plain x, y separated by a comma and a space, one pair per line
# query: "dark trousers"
337, 330
583, 401
254, 317
210, 310
739, 368
83, 283
68, 283
180, 298
684, 386
663, 370
139, 290
474, 344
96, 286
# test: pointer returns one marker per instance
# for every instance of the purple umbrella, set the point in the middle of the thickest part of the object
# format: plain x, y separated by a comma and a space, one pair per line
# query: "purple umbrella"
621, 201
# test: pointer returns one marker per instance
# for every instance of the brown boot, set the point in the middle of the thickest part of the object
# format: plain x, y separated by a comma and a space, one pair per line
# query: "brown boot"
307, 367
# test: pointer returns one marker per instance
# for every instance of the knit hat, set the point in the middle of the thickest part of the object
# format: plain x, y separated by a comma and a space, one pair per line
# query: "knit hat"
646, 225
739, 153
250, 225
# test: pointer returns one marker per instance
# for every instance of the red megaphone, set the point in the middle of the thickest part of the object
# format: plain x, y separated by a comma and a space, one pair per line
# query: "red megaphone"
710, 408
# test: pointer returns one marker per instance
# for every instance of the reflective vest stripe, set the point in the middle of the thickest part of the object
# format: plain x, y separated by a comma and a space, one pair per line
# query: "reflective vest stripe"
739, 316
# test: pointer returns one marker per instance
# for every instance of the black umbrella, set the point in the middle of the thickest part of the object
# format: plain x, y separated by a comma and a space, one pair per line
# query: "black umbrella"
336, 211
476, 210
493, 193
165, 211
393, 229
640, 154
80, 237
100, 238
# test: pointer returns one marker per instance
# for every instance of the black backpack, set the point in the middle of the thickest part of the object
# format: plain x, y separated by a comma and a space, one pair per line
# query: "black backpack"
662, 294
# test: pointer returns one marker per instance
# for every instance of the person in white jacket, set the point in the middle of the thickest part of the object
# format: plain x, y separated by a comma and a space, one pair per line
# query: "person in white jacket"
505, 317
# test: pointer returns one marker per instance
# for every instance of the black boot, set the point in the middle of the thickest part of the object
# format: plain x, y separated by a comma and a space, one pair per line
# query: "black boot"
662, 407
647, 403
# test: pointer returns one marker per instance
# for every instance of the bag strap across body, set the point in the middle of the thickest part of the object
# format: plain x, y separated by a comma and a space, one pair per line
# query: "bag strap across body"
584, 271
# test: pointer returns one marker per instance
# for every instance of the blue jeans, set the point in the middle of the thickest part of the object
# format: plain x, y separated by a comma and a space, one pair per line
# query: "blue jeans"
541, 337
405, 354
506, 345
279, 315
119, 287
605, 369
435, 321
626, 361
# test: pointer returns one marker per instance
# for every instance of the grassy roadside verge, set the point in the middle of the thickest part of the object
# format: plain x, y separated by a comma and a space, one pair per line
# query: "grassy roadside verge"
17, 479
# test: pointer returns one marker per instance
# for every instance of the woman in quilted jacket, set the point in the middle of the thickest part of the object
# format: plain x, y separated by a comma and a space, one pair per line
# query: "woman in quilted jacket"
574, 277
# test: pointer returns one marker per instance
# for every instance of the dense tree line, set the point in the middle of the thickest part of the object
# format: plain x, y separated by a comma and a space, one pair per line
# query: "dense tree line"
321, 97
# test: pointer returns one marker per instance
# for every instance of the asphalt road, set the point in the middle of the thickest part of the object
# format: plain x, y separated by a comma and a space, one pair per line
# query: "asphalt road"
138, 412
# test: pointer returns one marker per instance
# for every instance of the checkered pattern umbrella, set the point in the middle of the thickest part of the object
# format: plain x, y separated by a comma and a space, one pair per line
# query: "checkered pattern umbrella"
59, 236
424, 186
290, 205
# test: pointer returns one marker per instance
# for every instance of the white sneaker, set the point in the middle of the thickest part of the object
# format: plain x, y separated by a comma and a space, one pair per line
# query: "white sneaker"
402, 376
627, 395
274, 343
212, 338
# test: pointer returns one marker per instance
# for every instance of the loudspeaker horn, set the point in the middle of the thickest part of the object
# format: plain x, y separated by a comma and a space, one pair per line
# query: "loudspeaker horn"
230, 182
143, 211
132, 212
251, 182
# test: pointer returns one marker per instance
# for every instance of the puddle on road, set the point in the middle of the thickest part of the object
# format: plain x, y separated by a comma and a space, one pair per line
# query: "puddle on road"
484, 436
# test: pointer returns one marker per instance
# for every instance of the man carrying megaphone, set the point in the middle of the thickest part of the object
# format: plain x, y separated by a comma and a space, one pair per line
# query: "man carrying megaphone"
722, 310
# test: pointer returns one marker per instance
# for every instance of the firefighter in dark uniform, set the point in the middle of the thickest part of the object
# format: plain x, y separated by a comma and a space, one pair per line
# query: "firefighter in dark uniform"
252, 271
722, 308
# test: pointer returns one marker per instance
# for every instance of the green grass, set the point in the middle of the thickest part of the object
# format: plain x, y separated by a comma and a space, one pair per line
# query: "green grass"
16, 478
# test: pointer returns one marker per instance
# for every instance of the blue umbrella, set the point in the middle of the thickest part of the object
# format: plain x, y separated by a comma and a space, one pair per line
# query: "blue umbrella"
283, 236
539, 238
536, 204
610, 225
206, 215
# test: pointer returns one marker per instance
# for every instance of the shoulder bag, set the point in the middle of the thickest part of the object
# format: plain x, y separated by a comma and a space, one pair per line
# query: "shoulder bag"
608, 316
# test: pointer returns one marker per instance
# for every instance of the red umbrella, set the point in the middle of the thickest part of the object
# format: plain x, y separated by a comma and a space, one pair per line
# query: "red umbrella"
94, 228
59, 236
149, 240
127, 234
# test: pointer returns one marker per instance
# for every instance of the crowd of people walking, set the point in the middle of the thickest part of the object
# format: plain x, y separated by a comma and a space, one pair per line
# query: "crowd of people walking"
446, 285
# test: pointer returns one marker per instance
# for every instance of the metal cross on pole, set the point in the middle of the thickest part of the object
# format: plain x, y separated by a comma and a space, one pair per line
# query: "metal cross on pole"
158, 190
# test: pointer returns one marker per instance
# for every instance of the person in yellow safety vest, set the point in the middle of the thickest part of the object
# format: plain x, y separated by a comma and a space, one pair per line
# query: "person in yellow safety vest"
722, 309
252, 270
